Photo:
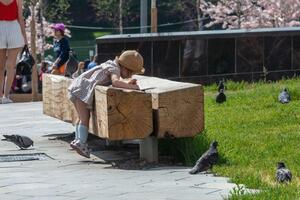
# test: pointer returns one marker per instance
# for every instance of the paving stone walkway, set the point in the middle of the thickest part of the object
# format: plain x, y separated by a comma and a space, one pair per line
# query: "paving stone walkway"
69, 176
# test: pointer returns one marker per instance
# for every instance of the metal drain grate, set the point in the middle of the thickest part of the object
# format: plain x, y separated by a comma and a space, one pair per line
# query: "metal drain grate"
24, 157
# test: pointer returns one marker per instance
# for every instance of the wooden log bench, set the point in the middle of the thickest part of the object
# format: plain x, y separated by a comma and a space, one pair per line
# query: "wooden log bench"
166, 109
178, 107
117, 115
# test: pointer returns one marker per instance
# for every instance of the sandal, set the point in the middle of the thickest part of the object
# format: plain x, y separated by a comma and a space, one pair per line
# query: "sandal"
82, 149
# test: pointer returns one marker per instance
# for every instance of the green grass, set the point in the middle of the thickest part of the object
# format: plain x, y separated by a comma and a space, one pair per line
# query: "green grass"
254, 132
84, 40
87, 34
100, 34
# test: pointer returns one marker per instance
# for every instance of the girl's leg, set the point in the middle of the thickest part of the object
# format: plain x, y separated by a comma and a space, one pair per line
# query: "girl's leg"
84, 116
10, 69
76, 127
83, 112
2, 69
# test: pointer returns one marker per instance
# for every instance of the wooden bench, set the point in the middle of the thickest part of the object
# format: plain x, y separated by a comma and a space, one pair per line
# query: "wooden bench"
167, 109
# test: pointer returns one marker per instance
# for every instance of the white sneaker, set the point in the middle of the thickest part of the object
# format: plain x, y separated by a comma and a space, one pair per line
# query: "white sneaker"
6, 100
82, 149
72, 144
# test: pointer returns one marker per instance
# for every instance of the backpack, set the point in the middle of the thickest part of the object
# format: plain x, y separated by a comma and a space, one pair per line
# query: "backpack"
71, 66
26, 62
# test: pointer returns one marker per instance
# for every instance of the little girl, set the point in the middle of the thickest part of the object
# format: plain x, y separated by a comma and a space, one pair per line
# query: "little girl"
61, 49
81, 91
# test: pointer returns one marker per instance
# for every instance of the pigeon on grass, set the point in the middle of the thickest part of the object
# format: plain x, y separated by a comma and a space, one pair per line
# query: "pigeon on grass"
221, 97
207, 160
284, 96
283, 174
221, 86
23, 142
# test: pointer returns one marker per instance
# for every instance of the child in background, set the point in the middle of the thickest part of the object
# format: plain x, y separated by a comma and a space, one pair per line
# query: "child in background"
81, 91
61, 49
94, 63
79, 70
86, 64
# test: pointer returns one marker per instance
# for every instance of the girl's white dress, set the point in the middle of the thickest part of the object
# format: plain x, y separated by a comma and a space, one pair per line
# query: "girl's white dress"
83, 86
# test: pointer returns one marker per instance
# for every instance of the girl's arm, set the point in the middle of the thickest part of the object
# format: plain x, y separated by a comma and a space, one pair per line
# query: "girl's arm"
21, 20
116, 82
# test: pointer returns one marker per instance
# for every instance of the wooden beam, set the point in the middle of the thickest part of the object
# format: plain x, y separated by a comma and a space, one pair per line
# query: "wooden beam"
153, 16
70, 114
123, 114
169, 109
117, 115
178, 107
54, 96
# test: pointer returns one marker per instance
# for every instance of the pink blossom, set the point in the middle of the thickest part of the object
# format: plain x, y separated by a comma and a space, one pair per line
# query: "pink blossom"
234, 14
47, 31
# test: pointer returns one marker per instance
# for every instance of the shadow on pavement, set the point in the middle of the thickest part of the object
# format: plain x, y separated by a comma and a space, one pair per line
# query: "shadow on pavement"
119, 155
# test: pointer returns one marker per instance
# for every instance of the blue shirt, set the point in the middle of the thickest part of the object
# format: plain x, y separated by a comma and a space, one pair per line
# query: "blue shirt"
61, 49
92, 65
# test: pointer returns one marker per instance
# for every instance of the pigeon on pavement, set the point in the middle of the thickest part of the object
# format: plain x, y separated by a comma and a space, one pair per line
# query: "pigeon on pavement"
221, 97
284, 96
283, 174
23, 142
207, 160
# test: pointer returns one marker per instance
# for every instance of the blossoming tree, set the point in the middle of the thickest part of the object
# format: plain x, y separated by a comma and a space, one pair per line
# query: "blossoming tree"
42, 29
37, 29
234, 14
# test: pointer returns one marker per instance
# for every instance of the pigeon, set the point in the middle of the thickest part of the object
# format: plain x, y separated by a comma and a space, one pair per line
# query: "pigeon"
207, 160
221, 86
284, 96
23, 142
221, 97
283, 175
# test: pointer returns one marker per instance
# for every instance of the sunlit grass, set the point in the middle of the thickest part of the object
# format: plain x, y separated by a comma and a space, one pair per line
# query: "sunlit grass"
254, 132
100, 34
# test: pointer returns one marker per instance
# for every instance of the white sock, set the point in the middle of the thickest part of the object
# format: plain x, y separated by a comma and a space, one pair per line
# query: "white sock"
76, 132
83, 133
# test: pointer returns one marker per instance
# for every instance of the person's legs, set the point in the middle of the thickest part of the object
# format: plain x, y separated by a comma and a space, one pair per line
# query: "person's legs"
10, 69
76, 126
2, 69
84, 115
83, 112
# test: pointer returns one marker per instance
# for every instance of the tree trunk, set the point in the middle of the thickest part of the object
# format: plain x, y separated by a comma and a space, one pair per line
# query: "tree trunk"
41, 16
34, 78
199, 15
121, 16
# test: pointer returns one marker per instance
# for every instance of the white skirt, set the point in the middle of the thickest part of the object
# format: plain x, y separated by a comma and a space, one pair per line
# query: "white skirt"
11, 35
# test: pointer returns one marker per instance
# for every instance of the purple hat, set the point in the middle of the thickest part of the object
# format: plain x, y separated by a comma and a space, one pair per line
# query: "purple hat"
59, 27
